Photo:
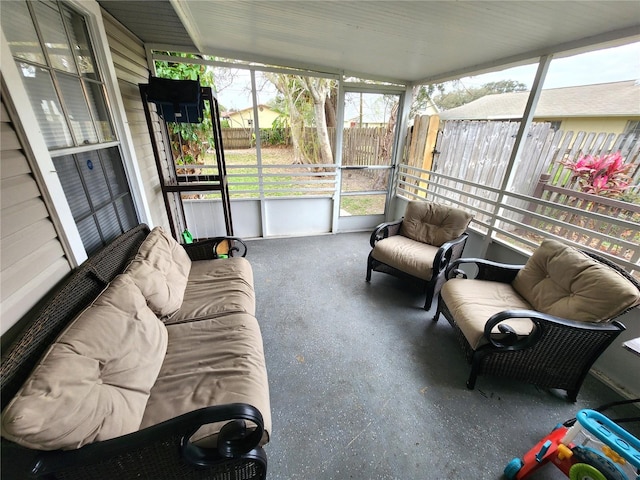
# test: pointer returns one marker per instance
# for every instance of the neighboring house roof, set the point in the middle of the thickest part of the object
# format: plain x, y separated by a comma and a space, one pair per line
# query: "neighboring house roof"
248, 109
600, 100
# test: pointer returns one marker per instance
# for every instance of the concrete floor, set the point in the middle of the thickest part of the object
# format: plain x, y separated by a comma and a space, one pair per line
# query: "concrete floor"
364, 386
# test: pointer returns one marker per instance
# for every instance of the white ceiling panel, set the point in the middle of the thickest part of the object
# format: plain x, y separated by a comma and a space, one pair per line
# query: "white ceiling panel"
404, 40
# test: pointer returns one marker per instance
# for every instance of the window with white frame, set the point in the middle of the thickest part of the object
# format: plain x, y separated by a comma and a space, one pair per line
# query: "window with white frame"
51, 46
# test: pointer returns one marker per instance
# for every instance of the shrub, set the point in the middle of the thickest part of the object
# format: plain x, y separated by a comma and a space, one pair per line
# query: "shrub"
605, 175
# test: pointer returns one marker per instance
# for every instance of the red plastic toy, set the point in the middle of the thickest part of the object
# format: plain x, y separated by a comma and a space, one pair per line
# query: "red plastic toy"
593, 448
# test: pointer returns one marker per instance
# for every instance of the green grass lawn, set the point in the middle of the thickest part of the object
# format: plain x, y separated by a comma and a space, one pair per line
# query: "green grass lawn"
282, 183
363, 205
242, 170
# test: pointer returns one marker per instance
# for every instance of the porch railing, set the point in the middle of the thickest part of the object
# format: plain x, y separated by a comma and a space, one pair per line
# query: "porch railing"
523, 220
254, 181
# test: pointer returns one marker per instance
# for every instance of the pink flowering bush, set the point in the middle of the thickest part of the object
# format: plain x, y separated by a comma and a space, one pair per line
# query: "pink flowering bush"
605, 175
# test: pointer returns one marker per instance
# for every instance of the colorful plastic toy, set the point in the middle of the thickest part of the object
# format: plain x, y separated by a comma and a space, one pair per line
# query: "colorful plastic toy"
593, 448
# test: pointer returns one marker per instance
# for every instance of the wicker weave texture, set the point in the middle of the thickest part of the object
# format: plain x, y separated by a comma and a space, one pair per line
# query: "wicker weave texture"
124, 458
562, 356
161, 461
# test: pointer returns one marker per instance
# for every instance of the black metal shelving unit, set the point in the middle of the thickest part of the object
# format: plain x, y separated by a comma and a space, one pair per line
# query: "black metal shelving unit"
173, 184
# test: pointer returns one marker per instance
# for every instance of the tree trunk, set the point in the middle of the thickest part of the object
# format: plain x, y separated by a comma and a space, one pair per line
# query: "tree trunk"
331, 106
319, 89
287, 86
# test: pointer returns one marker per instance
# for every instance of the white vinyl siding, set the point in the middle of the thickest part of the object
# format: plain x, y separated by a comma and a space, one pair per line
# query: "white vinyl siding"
131, 69
32, 259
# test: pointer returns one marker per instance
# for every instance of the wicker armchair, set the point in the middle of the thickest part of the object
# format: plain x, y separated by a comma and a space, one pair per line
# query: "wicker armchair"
545, 322
420, 245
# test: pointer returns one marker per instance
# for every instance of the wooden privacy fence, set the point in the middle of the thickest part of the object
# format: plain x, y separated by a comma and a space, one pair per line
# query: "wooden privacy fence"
600, 232
236, 138
241, 138
420, 142
360, 146
478, 152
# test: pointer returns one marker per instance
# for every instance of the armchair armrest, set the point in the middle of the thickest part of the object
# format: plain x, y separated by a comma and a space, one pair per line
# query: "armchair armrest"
208, 249
156, 444
511, 342
385, 230
487, 270
446, 252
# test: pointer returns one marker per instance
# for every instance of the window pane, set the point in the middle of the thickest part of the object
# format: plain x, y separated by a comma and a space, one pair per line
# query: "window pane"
20, 32
80, 43
114, 170
72, 94
46, 105
54, 36
98, 108
90, 235
93, 175
108, 221
128, 216
97, 215
72, 185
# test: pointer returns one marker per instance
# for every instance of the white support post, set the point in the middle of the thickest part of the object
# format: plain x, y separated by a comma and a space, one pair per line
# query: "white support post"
525, 124
338, 155
256, 132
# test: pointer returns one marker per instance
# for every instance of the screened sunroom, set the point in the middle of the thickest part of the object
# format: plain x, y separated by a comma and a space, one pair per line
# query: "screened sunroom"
332, 117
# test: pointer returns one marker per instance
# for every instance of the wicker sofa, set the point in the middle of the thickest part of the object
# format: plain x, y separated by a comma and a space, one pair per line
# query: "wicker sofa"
147, 362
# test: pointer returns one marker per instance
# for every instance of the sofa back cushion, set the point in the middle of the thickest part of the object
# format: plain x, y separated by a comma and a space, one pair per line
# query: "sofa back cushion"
433, 223
94, 381
563, 281
161, 270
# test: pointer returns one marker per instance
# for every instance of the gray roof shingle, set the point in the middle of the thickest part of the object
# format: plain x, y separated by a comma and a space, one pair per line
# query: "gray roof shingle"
600, 100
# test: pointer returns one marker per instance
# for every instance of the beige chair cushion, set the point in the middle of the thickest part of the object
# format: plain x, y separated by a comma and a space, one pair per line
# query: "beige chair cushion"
232, 281
433, 223
410, 256
211, 362
562, 281
473, 302
160, 269
94, 381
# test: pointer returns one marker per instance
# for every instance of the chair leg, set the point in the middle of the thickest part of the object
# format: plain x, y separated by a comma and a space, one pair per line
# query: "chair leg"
473, 375
471, 381
428, 303
436, 315
370, 265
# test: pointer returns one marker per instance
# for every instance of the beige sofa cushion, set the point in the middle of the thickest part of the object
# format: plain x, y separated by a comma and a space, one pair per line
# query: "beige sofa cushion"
562, 281
473, 302
94, 381
217, 287
211, 362
160, 269
433, 223
412, 257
